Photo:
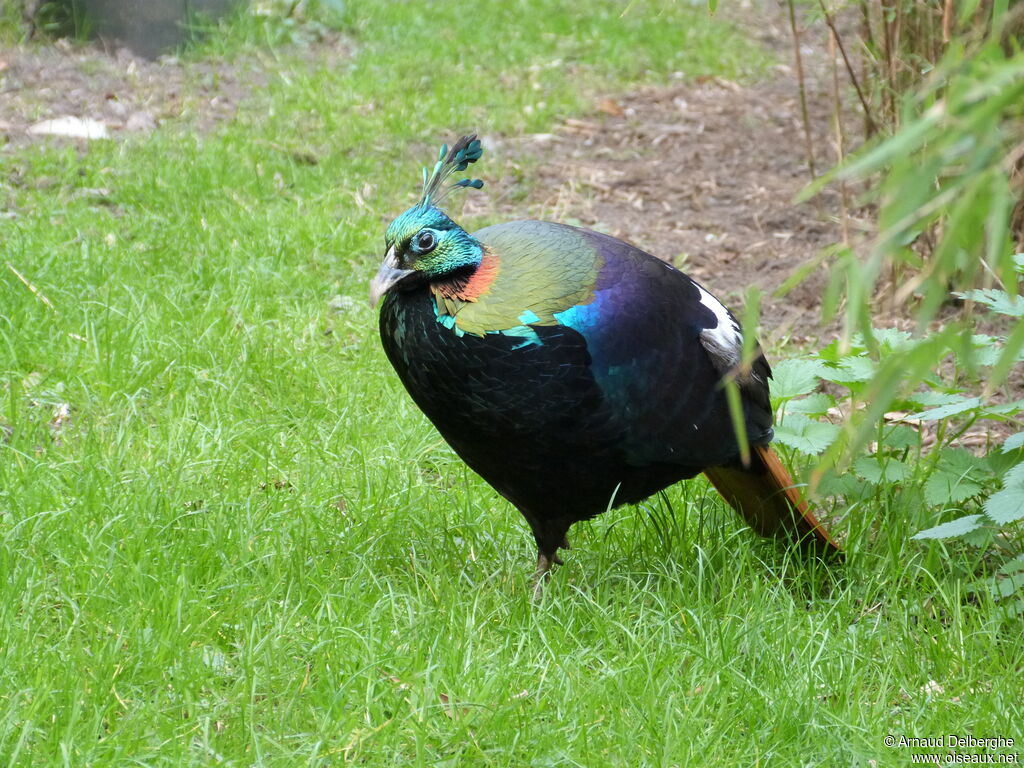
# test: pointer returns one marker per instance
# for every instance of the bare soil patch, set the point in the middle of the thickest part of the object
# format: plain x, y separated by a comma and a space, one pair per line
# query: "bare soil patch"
125, 93
129, 94
703, 176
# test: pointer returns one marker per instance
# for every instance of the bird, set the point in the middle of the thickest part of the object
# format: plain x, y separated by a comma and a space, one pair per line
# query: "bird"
575, 372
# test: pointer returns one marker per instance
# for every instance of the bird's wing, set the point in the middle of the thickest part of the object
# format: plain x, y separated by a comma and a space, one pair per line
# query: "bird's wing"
659, 343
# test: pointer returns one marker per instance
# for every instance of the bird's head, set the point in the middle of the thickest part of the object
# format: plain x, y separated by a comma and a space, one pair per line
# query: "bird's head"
423, 243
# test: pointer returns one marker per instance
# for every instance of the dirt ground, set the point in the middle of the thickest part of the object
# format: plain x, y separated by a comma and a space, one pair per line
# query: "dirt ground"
124, 93
702, 174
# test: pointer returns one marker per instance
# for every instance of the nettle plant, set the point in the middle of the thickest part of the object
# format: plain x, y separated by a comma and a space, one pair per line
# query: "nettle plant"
933, 455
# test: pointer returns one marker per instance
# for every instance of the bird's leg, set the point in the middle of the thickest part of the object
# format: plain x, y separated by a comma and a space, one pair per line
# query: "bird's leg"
546, 561
543, 572
549, 535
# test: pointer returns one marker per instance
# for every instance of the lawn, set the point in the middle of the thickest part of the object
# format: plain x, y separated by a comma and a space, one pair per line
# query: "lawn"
228, 537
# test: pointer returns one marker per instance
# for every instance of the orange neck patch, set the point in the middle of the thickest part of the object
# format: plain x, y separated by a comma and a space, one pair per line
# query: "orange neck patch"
471, 287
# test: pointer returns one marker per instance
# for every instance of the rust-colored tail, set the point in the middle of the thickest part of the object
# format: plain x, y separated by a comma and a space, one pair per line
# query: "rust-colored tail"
766, 496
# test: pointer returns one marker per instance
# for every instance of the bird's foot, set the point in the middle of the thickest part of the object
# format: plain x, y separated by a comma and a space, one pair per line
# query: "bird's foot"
543, 572
538, 586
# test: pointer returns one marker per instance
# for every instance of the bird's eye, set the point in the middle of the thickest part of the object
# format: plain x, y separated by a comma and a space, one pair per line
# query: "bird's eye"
425, 241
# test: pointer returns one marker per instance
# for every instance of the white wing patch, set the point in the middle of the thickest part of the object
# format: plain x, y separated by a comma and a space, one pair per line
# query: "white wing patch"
724, 342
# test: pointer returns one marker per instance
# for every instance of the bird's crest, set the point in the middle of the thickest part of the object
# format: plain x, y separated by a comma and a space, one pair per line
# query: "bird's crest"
463, 152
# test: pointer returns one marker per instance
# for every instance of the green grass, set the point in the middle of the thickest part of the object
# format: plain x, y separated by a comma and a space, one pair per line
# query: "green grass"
246, 546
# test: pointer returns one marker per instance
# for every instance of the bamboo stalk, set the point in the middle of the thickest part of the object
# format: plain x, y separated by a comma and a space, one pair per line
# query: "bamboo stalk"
809, 142
837, 105
870, 124
890, 69
868, 42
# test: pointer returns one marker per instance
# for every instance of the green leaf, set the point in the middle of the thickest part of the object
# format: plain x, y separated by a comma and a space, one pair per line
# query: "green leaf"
945, 411
1006, 587
1016, 565
893, 338
804, 434
980, 538
846, 484
851, 369
901, 144
332, 13
997, 463
1011, 351
941, 489
960, 462
876, 469
1013, 611
1007, 505
1013, 442
1004, 408
986, 349
800, 274
996, 300
997, 227
932, 399
739, 424
751, 315
795, 377
833, 352
952, 529
947, 486
900, 436
901, 369
857, 369
813, 405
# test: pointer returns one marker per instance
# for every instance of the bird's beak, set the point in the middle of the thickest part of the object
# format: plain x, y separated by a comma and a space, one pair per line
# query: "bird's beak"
387, 276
